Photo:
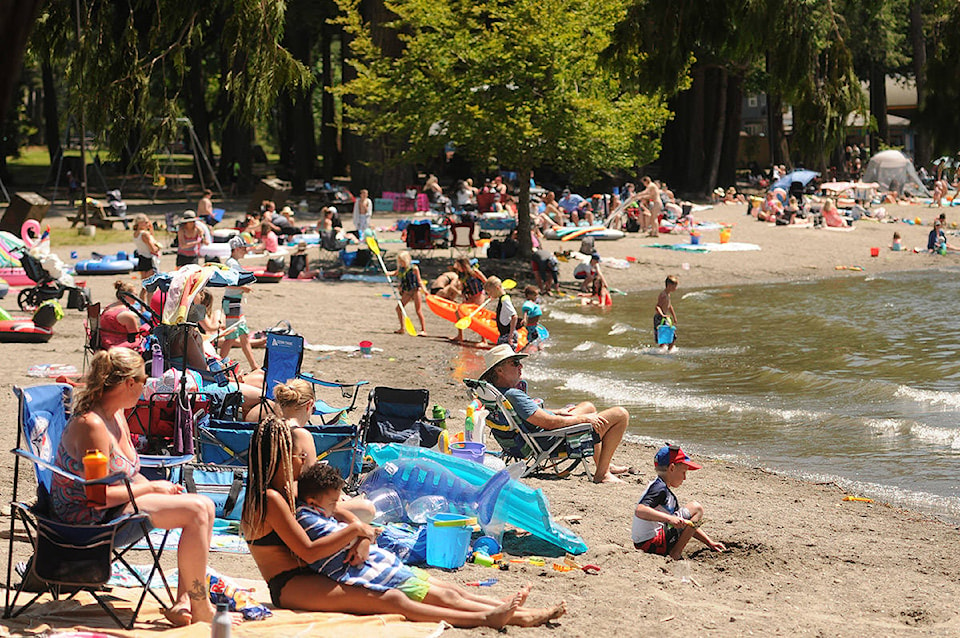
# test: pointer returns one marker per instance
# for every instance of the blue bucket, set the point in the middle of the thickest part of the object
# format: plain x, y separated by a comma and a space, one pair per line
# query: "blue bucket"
448, 539
665, 334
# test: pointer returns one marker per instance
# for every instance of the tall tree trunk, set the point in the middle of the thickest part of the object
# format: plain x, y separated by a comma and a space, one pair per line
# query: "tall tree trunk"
236, 146
878, 105
328, 127
727, 174
693, 177
196, 104
924, 143
286, 129
524, 239
16, 22
301, 135
51, 114
720, 124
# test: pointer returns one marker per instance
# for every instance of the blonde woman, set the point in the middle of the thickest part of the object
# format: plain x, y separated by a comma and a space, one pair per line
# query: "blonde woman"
113, 384
145, 246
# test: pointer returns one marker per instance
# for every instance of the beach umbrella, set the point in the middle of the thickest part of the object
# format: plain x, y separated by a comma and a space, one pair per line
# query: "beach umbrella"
182, 286
801, 175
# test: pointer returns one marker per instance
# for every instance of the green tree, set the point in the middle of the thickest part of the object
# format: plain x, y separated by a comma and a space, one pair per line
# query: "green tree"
511, 83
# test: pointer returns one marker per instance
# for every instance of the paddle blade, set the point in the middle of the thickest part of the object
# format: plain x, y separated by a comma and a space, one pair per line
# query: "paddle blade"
408, 326
464, 323
372, 243
508, 284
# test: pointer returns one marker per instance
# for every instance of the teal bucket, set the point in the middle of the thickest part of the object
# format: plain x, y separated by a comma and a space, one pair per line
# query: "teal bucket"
665, 334
448, 539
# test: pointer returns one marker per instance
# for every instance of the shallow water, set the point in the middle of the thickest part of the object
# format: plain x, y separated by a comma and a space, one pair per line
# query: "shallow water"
852, 380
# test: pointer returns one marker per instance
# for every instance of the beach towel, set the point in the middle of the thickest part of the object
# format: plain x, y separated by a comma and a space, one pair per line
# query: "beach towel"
709, 247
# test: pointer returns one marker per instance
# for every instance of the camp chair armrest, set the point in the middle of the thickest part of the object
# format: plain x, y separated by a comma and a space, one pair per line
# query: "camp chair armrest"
162, 462
570, 429
332, 384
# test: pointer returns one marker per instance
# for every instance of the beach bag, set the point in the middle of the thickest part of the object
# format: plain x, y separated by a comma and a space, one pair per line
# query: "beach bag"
275, 264
224, 485
587, 245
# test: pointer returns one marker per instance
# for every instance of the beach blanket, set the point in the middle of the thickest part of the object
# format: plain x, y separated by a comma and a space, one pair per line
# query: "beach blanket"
82, 614
709, 247
841, 229
221, 541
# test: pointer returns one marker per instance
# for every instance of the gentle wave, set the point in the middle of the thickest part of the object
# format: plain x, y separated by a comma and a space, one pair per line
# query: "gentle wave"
620, 328
575, 319
932, 397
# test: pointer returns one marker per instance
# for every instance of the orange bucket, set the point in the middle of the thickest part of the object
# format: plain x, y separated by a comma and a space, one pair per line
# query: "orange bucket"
724, 235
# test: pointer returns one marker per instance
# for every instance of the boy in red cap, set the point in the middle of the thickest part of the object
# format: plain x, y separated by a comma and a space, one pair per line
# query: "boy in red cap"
660, 526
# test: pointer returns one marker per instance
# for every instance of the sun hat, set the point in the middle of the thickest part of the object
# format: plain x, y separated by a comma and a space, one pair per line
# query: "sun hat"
286, 210
673, 454
497, 355
301, 247
189, 215
238, 242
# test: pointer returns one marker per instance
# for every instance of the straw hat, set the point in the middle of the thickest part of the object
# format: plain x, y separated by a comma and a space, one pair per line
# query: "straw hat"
189, 215
302, 247
497, 355
287, 211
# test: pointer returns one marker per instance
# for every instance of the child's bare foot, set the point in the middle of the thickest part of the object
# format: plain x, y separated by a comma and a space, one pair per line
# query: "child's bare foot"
536, 617
499, 616
607, 478
398, 331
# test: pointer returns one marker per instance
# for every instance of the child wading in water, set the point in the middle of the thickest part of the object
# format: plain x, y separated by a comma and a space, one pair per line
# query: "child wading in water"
531, 312
342, 544
408, 274
665, 311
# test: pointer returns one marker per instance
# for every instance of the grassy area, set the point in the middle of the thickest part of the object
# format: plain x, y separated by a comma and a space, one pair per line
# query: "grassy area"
104, 236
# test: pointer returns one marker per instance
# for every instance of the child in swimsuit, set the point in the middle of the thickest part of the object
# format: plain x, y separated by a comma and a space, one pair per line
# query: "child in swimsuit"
471, 285
408, 275
531, 312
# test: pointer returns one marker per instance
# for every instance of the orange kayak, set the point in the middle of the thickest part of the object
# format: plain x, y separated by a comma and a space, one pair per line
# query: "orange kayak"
484, 322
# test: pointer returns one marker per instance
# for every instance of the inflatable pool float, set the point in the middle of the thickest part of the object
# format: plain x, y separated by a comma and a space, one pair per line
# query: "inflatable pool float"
23, 331
568, 233
519, 505
484, 323
266, 277
218, 250
223, 235
542, 332
118, 264
16, 277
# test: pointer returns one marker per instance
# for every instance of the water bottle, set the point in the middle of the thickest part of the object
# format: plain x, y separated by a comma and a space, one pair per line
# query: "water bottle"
221, 625
440, 415
95, 465
468, 425
156, 363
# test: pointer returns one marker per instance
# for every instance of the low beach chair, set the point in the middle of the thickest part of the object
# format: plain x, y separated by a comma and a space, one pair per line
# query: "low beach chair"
70, 558
557, 452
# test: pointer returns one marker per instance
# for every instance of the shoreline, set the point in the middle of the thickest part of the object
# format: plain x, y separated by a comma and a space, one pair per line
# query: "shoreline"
802, 561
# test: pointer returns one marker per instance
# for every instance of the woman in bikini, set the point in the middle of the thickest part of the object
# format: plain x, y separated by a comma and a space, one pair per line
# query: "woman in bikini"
114, 383
282, 549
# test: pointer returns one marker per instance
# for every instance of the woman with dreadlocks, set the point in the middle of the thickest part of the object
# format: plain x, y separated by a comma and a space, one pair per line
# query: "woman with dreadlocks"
282, 549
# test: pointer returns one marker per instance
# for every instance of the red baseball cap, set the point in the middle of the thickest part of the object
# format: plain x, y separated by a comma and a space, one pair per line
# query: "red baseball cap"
673, 454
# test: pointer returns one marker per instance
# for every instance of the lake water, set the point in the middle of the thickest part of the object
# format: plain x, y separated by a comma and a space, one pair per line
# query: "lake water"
853, 380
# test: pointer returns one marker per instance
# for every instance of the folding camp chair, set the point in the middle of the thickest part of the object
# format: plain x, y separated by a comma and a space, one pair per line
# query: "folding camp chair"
281, 363
462, 243
419, 238
70, 558
395, 415
92, 344
555, 452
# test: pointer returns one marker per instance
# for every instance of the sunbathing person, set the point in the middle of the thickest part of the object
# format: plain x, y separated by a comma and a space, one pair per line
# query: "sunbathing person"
280, 546
503, 370
114, 383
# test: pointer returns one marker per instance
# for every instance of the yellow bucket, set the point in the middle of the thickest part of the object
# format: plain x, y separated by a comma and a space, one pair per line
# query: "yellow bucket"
724, 235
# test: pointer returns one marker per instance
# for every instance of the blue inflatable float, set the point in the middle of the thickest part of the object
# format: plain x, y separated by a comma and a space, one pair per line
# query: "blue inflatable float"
118, 264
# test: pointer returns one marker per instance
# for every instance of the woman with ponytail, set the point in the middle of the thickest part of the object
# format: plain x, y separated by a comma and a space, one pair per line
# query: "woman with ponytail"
114, 383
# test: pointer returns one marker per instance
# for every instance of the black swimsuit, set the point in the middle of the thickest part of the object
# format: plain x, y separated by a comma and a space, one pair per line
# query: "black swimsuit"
279, 581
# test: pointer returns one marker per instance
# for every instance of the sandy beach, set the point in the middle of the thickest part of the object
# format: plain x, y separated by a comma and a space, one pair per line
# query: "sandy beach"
801, 561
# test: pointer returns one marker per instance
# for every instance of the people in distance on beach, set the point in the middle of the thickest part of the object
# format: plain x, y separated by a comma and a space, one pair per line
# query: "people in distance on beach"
446, 285
570, 203
650, 196
189, 239
896, 245
352, 558
665, 311
113, 384
205, 205
411, 288
504, 370
282, 549
599, 290
937, 240
145, 246
362, 213
831, 215
546, 271
660, 525
471, 284
506, 315
119, 325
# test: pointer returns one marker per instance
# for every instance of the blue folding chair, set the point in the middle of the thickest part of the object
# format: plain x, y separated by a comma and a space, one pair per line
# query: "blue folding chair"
281, 363
70, 558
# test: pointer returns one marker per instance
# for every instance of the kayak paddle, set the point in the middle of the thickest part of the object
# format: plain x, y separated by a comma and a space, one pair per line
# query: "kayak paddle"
407, 323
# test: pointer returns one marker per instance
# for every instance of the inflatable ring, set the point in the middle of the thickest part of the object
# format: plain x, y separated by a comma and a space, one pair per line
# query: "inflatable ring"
31, 240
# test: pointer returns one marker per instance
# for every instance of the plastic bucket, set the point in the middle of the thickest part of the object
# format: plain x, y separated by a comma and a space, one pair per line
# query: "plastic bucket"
448, 539
724, 235
469, 450
694, 239
366, 347
874, 252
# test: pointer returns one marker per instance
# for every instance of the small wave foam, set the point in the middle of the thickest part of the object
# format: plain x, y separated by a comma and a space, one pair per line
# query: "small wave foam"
949, 437
621, 328
932, 397
571, 318
585, 346
696, 294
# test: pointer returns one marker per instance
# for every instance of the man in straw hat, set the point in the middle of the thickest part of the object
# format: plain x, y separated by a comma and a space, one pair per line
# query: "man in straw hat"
504, 368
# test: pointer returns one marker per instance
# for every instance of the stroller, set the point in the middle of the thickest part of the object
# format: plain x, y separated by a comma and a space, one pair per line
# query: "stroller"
117, 207
47, 287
